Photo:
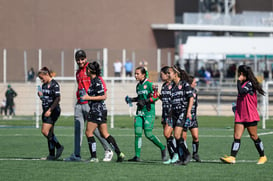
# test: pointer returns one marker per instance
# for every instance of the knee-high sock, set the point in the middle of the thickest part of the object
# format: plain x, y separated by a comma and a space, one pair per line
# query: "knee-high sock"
259, 146
235, 147
92, 146
56, 142
171, 147
153, 138
182, 149
110, 139
195, 147
50, 143
138, 140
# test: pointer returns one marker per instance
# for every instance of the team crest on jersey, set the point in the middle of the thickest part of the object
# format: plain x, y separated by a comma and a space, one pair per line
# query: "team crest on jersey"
180, 87
169, 87
145, 86
194, 95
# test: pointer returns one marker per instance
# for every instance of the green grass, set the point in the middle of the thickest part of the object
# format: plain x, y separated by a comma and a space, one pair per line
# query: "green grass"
22, 145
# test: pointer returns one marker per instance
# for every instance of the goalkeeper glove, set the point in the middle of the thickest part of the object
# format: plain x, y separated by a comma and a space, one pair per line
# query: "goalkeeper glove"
128, 100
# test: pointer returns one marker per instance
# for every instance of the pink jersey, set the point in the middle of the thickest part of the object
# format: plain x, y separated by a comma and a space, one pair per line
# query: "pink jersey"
246, 107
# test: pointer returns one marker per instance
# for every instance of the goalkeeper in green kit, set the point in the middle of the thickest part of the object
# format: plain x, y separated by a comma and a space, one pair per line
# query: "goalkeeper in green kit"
145, 114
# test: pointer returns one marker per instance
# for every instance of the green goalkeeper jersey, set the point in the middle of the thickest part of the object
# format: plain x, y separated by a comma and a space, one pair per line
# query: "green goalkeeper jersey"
145, 91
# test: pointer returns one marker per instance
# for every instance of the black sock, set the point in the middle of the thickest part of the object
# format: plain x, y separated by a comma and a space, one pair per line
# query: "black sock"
195, 147
113, 144
50, 143
182, 150
92, 146
259, 146
235, 147
170, 146
56, 142
51, 147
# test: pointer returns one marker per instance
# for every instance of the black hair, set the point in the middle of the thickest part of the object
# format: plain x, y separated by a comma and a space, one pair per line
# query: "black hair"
142, 70
190, 80
165, 69
181, 73
44, 71
94, 68
246, 71
80, 54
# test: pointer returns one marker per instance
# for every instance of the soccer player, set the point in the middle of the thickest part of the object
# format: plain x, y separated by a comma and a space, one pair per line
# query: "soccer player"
97, 116
193, 126
50, 97
82, 108
181, 106
167, 122
246, 114
145, 114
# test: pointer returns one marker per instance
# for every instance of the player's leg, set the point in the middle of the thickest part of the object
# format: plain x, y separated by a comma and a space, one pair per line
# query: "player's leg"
252, 130
138, 125
148, 130
181, 145
238, 132
54, 116
47, 131
195, 144
171, 144
111, 140
90, 128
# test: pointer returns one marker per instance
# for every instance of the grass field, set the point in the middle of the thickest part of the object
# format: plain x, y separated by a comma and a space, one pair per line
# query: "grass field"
22, 146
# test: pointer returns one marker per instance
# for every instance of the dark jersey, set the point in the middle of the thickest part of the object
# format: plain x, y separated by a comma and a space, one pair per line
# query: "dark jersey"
50, 91
96, 89
180, 95
166, 93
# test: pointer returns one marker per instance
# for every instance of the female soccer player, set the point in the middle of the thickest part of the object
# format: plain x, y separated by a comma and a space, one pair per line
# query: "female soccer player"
181, 106
193, 126
246, 114
97, 116
167, 122
50, 96
145, 114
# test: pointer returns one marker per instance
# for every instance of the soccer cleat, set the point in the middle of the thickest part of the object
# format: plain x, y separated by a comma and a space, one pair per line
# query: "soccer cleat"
195, 156
59, 152
262, 160
94, 160
177, 163
121, 157
175, 158
73, 157
228, 159
49, 157
187, 159
164, 154
108, 155
134, 159
168, 162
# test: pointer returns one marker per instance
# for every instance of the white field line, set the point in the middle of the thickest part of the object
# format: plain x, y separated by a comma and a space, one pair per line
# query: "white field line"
204, 136
204, 161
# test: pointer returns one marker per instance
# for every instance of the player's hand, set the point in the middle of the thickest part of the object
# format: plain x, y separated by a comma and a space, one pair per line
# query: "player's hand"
128, 100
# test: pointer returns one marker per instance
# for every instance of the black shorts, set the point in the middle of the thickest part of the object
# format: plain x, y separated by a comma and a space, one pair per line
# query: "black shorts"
179, 118
97, 117
193, 124
52, 119
165, 121
248, 124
